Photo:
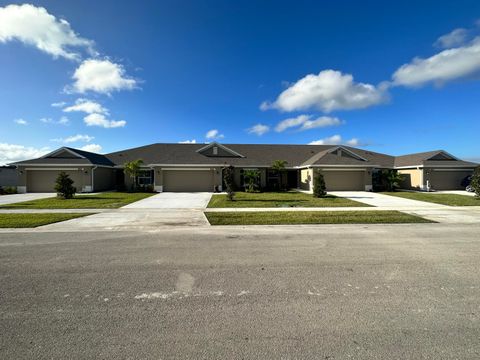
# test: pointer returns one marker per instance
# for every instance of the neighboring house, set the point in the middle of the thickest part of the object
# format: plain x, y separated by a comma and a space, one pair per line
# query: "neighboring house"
198, 167
8, 176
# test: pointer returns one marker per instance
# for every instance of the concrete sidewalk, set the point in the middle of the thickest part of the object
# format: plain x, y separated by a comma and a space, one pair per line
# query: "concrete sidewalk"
177, 200
385, 201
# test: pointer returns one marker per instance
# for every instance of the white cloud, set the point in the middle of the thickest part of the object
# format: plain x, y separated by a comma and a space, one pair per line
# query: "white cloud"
20, 122
214, 135
259, 129
455, 38
92, 148
305, 122
58, 104
10, 153
100, 120
193, 141
328, 91
34, 26
62, 121
75, 138
86, 106
336, 140
448, 65
101, 76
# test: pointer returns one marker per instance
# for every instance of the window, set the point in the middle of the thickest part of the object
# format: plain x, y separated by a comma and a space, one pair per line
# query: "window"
145, 177
215, 150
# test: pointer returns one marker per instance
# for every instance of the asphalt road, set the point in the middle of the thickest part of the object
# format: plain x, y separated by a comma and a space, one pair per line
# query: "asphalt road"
328, 292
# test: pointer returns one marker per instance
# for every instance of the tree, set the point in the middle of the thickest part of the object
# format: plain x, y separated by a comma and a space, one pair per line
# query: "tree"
278, 166
64, 186
251, 178
392, 179
319, 188
475, 182
132, 169
228, 179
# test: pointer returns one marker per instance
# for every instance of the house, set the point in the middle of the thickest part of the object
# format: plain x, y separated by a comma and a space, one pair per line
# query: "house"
198, 167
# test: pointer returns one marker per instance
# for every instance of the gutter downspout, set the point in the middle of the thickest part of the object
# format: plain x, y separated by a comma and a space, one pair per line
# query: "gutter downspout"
93, 178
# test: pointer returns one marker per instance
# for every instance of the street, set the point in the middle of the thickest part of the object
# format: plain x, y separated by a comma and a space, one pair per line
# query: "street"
285, 292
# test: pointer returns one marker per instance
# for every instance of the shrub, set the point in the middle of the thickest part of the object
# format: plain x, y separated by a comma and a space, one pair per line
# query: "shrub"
392, 179
319, 188
475, 183
64, 186
251, 178
8, 190
228, 179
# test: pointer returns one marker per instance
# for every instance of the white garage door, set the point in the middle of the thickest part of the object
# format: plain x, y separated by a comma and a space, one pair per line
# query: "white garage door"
44, 180
188, 180
344, 180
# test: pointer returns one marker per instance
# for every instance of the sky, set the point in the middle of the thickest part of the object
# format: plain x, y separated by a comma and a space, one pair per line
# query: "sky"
395, 77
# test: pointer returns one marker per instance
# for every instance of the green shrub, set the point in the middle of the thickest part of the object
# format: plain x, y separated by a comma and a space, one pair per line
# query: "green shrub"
251, 178
475, 183
319, 187
64, 186
8, 190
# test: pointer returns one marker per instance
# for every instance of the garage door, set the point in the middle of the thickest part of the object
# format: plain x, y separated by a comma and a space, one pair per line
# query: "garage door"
188, 180
44, 180
344, 180
448, 180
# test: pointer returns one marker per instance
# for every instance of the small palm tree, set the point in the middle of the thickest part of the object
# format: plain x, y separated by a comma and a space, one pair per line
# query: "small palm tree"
132, 169
392, 179
475, 182
278, 166
251, 178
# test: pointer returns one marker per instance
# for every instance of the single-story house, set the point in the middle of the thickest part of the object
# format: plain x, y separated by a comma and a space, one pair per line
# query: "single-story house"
199, 167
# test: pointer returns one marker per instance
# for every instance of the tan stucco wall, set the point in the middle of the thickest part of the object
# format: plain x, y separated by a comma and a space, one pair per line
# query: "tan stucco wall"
306, 179
413, 178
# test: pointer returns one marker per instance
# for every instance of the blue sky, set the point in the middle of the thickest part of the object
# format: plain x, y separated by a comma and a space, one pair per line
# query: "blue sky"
393, 77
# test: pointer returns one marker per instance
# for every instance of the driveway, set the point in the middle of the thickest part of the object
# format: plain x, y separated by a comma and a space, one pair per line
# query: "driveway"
14, 198
170, 200
385, 201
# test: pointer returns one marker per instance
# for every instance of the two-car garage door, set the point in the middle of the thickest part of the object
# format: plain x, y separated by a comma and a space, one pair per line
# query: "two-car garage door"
188, 180
448, 179
344, 180
44, 180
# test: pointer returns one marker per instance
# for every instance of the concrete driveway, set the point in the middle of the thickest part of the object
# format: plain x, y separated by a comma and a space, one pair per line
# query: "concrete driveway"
384, 201
171, 200
14, 198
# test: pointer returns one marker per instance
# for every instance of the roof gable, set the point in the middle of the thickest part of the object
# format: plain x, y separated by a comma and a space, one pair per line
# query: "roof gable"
63, 153
335, 155
215, 149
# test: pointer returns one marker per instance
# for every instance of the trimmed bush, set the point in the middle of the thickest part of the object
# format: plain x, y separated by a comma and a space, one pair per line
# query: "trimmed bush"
228, 179
64, 186
475, 183
319, 187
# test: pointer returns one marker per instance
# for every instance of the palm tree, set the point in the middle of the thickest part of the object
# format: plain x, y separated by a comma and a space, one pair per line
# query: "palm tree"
132, 169
278, 166
393, 179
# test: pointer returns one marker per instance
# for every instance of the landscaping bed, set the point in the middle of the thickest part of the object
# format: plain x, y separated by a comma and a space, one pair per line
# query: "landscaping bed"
110, 200
311, 217
280, 199
444, 199
33, 220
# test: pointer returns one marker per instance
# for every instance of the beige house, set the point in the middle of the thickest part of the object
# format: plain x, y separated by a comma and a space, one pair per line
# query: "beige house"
199, 167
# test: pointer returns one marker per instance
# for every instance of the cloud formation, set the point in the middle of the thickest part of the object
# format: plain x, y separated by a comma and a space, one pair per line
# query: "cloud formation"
86, 106
454, 38
305, 122
34, 26
193, 141
75, 138
101, 76
258, 129
214, 134
95, 148
100, 120
20, 122
335, 140
62, 121
12, 152
447, 65
328, 91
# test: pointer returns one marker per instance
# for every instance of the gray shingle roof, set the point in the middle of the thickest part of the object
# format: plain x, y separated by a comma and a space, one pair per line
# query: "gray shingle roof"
421, 159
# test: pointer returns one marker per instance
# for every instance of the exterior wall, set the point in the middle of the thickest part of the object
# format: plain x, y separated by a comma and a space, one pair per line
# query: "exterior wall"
306, 179
8, 176
103, 179
413, 178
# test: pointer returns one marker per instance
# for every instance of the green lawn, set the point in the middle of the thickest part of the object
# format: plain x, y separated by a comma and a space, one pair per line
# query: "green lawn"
444, 199
311, 217
34, 220
110, 200
280, 199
